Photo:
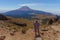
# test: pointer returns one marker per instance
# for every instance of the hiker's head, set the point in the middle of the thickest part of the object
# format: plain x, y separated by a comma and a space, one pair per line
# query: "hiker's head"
36, 21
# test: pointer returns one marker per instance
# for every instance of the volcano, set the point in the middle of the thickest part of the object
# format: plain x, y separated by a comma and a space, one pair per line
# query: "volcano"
25, 12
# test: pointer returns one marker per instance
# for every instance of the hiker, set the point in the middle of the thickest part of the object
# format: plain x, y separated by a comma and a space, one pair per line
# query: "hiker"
36, 28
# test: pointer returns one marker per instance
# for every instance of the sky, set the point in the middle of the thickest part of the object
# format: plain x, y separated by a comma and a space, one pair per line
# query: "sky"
43, 5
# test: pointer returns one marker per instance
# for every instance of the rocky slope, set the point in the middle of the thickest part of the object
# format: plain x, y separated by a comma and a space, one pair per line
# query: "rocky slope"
52, 32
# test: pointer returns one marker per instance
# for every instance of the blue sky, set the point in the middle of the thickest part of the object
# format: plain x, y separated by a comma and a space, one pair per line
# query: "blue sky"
44, 5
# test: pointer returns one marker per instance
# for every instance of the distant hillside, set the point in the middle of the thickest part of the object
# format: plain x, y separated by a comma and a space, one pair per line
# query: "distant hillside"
3, 17
25, 12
